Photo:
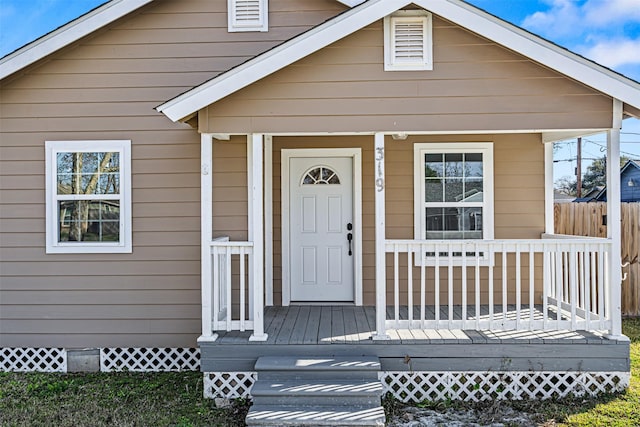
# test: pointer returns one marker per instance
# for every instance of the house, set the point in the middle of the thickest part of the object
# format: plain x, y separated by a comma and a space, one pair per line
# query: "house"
301, 180
629, 184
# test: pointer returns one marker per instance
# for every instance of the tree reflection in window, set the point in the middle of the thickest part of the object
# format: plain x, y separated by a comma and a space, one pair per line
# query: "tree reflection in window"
320, 175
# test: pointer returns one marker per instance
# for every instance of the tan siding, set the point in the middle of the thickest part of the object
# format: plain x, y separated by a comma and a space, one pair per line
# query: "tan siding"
475, 85
106, 87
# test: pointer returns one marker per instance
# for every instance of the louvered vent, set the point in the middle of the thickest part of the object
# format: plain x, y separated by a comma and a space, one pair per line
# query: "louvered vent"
247, 15
408, 41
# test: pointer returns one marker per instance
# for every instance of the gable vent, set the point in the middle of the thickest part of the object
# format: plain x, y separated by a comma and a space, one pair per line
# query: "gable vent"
408, 42
248, 15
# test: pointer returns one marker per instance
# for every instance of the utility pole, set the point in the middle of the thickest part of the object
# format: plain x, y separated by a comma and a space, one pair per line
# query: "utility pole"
579, 170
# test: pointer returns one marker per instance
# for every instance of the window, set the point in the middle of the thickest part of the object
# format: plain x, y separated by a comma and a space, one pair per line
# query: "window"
248, 15
88, 190
408, 41
320, 175
453, 192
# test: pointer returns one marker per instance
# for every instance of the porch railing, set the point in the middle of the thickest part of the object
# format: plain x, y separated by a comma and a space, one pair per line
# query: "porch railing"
232, 293
549, 284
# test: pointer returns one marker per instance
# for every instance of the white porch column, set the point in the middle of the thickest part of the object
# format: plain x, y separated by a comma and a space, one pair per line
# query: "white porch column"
549, 226
256, 234
614, 220
381, 280
268, 219
206, 235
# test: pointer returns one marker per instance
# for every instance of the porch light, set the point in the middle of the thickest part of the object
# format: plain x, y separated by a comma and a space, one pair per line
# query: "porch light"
400, 136
631, 183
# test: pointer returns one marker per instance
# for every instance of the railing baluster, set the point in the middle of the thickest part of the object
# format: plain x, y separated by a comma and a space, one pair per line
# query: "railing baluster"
216, 286
396, 287
532, 284
581, 278
477, 289
423, 284
604, 295
504, 284
242, 290
464, 286
410, 286
559, 275
450, 286
587, 287
228, 288
573, 285
436, 279
547, 286
492, 263
518, 286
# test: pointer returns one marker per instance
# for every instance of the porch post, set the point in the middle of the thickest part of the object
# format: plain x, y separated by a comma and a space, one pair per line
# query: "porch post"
549, 226
256, 227
614, 221
206, 234
381, 280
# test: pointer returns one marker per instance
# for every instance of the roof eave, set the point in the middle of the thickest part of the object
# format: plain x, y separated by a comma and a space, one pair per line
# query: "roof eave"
67, 34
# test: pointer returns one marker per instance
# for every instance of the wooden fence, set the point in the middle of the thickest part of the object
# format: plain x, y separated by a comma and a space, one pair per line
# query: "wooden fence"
586, 219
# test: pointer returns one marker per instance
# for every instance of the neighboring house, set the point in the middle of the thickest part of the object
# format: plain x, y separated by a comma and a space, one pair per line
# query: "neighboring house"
559, 197
629, 185
318, 178
589, 196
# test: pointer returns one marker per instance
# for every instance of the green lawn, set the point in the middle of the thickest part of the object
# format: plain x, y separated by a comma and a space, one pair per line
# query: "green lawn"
175, 399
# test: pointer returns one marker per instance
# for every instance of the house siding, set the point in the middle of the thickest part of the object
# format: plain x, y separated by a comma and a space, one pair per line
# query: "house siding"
105, 86
518, 191
475, 85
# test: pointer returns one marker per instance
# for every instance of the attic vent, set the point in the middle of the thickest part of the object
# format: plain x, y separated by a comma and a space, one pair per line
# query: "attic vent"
408, 41
248, 15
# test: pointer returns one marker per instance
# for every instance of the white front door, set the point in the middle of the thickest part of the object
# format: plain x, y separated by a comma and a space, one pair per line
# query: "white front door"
320, 221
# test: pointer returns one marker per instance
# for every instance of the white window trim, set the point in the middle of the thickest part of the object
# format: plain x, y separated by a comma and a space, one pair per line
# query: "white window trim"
389, 53
262, 25
419, 150
52, 148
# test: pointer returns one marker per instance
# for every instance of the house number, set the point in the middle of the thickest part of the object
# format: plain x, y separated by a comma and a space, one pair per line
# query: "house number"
379, 169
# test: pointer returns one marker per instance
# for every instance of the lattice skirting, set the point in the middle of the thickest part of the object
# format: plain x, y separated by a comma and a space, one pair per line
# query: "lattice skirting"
229, 385
33, 359
477, 386
149, 359
111, 359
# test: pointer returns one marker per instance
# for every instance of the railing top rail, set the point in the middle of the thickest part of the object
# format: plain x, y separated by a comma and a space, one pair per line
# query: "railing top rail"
568, 239
563, 237
225, 244
509, 245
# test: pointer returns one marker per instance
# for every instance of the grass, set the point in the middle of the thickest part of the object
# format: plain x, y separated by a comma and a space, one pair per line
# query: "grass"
122, 399
175, 399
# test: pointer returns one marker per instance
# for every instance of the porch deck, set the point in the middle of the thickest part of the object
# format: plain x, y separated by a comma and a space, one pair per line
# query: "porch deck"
347, 330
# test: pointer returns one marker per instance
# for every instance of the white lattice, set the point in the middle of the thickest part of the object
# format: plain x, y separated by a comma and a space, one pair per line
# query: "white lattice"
33, 360
476, 386
149, 359
230, 385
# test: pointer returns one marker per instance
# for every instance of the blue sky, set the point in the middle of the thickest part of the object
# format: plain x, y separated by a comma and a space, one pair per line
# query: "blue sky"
607, 31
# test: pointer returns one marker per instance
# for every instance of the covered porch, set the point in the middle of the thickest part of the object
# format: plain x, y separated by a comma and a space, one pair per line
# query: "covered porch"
554, 283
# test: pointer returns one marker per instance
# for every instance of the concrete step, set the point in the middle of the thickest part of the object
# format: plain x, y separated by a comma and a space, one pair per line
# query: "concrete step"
314, 416
330, 393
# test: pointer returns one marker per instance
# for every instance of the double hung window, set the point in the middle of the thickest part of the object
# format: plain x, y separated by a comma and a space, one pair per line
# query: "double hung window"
88, 196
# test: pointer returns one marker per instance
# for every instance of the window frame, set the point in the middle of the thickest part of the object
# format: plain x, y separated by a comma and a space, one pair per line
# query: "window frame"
261, 26
420, 205
52, 148
390, 63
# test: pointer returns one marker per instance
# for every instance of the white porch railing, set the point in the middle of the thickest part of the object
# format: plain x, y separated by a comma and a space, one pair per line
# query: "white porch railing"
548, 284
231, 279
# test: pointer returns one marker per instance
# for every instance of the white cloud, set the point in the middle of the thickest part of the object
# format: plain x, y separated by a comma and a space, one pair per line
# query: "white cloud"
615, 53
560, 20
604, 12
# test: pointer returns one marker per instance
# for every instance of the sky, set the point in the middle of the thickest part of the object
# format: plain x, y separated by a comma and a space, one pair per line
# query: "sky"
606, 31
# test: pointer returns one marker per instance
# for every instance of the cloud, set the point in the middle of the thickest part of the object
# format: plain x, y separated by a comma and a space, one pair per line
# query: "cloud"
574, 18
615, 53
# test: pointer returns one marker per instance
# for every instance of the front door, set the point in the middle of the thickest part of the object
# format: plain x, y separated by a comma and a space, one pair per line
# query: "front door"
321, 224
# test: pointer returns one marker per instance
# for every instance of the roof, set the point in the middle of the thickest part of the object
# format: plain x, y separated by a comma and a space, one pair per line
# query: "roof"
67, 34
459, 12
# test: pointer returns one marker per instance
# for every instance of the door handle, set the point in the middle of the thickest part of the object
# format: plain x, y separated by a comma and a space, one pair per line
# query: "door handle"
350, 237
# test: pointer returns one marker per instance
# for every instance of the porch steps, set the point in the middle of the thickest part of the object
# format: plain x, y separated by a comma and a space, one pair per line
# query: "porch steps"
316, 391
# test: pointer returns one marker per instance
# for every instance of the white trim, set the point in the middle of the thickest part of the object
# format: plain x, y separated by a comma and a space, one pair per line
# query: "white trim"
255, 148
356, 155
351, 3
456, 11
53, 246
391, 62
486, 149
268, 219
380, 232
549, 226
614, 218
261, 24
206, 233
67, 34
